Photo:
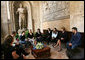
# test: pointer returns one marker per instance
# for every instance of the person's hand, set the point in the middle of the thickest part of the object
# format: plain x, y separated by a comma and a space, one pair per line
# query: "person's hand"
17, 43
38, 37
24, 57
28, 38
62, 38
25, 39
33, 37
52, 37
70, 44
15, 56
35, 42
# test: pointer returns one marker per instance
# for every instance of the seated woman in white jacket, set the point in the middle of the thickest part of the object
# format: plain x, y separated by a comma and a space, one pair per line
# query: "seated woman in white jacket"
55, 36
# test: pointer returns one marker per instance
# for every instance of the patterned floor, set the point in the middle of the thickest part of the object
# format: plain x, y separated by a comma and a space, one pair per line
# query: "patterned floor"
54, 53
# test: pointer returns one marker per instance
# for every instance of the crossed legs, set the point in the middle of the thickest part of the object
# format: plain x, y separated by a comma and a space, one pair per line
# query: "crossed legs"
58, 43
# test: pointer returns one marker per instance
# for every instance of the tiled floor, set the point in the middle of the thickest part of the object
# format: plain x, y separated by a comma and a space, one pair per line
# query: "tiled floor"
54, 53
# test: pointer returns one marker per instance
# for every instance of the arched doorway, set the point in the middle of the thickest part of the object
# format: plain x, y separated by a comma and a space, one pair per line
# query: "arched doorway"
14, 5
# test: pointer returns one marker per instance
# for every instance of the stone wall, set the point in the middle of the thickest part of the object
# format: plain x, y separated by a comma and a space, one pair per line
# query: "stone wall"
77, 15
55, 10
51, 17
55, 14
4, 22
57, 24
76, 19
36, 14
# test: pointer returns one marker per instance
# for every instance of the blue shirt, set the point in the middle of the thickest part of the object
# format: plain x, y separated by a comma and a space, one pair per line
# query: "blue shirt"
76, 39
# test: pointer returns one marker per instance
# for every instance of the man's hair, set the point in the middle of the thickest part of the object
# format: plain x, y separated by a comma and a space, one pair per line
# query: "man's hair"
8, 40
13, 32
74, 28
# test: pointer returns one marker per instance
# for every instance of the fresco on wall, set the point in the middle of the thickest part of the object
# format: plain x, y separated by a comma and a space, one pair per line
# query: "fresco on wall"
55, 10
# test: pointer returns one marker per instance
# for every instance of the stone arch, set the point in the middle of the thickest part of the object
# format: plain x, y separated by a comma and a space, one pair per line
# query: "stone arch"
12, 5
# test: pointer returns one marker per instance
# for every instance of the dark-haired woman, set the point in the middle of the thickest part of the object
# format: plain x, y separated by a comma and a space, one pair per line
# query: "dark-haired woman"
39, 36
62, 38
49, 33
55, 36
31, 37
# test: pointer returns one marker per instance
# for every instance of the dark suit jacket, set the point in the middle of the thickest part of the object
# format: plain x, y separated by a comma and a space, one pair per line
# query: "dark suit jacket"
49, 34
38, 34
30, 36
22, 38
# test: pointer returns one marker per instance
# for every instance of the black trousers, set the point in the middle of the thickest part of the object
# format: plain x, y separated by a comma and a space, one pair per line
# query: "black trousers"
39, 39
20, 50
48, 39
54, 40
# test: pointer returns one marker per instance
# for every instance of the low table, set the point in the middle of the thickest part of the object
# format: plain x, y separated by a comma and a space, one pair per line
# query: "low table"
39, 53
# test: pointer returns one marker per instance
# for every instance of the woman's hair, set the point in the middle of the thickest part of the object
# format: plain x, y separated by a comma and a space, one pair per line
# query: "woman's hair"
49, 29
55, 30
63, 28
30, 31
38, 29
23, 31
8, 41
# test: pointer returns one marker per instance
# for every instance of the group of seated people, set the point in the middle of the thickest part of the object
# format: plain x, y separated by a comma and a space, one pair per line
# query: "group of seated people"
13, 48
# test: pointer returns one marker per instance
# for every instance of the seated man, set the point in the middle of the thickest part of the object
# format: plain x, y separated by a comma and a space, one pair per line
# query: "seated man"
75, 40
17, 44
15, 40
14, 36
11, 52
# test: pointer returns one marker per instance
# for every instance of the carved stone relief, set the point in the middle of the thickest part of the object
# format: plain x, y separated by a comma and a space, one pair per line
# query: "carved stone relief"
55, 10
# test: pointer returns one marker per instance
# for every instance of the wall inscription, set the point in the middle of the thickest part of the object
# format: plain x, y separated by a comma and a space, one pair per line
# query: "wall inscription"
55, 10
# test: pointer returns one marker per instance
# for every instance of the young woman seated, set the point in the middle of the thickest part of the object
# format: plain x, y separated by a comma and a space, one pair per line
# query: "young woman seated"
23, 40
39, 36
31, 37
55, 35
62, 38
49, 33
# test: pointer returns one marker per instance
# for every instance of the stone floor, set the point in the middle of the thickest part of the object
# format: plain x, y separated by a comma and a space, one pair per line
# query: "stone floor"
54, 53
57, 55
